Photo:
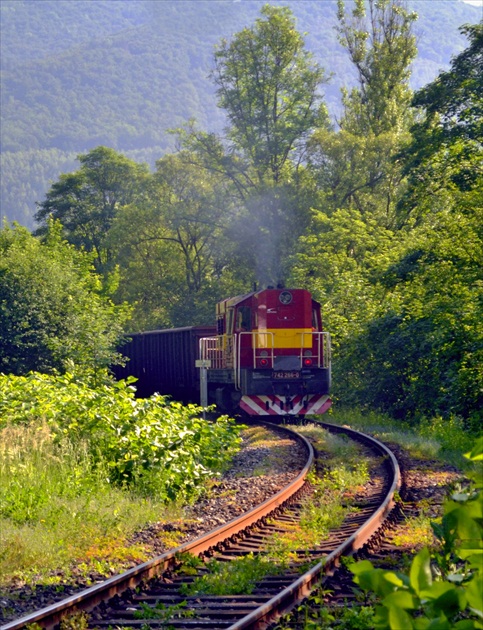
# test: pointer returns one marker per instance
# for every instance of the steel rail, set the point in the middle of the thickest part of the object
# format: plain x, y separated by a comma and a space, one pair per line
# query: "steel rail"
87, 599
298, 590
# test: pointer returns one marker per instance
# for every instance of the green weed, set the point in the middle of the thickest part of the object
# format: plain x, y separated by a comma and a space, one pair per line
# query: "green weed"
230, 578
414, 532
76, 621
446, 439
82, 469
161, 612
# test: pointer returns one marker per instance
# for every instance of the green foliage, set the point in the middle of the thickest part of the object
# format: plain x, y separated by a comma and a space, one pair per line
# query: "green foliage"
283, 196
445, 153
58, 506
162, 612
173, 265
448, 593
404, 307
337, 263
444, 439
327, 509
39, 169
423, 355
124, 72
381, 47
86, 201
314, 615
76, 621
268, 84
54, 311
233, 578
355, 164
162, 449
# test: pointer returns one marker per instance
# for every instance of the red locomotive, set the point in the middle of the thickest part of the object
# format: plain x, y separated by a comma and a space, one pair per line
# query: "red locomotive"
268, 355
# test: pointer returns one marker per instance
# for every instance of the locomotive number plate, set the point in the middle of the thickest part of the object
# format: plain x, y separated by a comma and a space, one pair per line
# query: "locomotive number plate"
285, 375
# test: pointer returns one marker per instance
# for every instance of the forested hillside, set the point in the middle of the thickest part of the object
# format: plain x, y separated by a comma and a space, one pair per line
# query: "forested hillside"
79, 74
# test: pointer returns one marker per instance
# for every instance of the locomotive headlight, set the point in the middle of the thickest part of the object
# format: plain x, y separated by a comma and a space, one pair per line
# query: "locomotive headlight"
264, 353
307, 353
285, 297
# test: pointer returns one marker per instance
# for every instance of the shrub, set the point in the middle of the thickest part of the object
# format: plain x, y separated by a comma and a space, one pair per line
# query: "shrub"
159, 447
443, 590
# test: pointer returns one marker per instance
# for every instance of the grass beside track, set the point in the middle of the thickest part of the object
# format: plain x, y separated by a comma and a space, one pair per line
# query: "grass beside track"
435, 450
443, 439
57, 510
61, 519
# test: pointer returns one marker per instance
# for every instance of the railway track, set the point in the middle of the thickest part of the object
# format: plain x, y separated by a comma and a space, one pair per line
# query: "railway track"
149, 594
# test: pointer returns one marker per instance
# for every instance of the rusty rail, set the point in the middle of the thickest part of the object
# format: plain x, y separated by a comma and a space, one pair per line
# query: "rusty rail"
286, 599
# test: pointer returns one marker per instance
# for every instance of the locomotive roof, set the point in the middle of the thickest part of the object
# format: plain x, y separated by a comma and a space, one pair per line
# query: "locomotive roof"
206, 327
234, 301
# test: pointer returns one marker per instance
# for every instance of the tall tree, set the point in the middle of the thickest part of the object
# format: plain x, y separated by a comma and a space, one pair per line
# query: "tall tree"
269, 86
445, 155
355, 164
415, 347
422, 355
173, 263
86, 201
382, 47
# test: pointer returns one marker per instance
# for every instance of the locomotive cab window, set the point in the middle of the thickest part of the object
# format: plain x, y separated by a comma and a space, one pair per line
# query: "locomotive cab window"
244, 319
229, 321
315, 320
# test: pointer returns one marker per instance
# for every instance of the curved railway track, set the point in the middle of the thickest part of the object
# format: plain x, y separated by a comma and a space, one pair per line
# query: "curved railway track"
114, 602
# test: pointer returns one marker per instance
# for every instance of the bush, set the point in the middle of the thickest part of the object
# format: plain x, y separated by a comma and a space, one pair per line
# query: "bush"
443, 590
54, 310
158, 447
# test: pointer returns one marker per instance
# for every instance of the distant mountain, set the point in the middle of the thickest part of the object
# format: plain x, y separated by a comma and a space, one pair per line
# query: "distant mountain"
79, 73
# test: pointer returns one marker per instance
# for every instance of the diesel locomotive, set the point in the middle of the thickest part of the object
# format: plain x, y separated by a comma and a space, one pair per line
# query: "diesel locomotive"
267, 355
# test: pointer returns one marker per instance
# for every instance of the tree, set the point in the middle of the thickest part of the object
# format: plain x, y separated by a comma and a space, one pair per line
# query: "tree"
53, 310
427, 348
455, 98
429, 342
445, 155
268, 84
174, 264
86, 201
381, 101
340, 261
355, 165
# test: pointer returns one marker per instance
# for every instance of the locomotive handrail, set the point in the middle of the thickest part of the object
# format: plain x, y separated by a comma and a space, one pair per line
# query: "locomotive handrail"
323, 348
256, 335
209, 349
322, 341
